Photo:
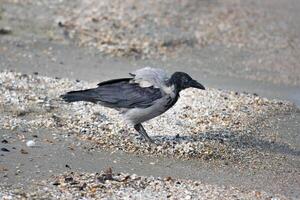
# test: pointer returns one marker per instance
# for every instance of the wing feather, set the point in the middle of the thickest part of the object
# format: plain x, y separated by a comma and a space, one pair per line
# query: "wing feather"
125, 94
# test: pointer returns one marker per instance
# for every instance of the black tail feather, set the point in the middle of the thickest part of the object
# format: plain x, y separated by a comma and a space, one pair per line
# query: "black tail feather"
80, 95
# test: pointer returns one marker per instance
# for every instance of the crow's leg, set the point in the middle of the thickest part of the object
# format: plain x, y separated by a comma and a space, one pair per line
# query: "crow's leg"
139, 128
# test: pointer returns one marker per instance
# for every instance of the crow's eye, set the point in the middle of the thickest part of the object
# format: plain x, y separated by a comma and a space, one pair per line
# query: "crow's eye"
185, 80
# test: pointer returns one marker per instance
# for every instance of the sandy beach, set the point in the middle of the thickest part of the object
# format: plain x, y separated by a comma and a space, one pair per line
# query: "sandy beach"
239, 139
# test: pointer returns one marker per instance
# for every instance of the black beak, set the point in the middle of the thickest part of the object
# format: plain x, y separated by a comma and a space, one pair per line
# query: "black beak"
195, 84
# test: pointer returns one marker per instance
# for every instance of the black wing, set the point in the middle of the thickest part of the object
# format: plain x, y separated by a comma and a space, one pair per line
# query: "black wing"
118, 93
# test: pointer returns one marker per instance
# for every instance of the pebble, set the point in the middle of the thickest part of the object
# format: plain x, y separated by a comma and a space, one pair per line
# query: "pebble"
5, 30
30, 143
4, 141
23, 151
5, 149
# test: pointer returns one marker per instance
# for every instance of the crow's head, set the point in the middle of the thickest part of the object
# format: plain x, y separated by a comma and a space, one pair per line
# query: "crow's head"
182, 81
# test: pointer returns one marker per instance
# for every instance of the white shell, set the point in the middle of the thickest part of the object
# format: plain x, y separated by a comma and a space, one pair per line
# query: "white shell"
30, 143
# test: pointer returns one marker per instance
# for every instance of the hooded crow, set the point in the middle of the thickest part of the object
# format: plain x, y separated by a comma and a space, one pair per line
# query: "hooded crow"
148, 93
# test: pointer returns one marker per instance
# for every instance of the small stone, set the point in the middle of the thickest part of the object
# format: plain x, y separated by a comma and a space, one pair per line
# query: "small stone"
4, 149
67, 166
168, 178
56, 183
5, 31
4, 141
23, 151
30, 143
3, 169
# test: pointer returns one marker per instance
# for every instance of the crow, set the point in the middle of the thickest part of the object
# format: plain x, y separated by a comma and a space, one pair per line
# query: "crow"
148, 93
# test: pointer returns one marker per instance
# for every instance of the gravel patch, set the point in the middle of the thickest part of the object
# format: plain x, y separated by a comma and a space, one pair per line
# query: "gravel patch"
163, 27
209, 125
107, 185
